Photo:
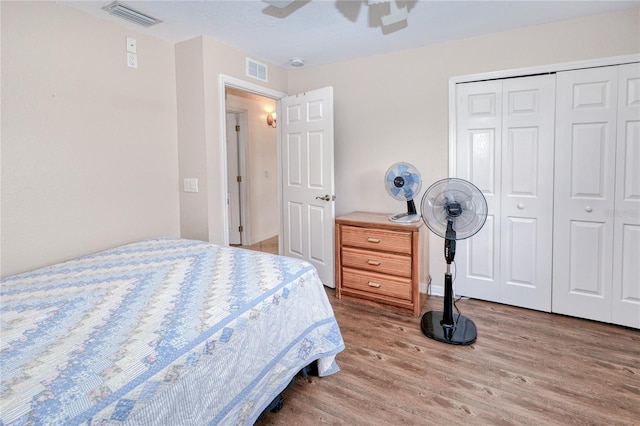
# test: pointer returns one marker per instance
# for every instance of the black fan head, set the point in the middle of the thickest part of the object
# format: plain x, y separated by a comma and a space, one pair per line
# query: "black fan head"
457, 201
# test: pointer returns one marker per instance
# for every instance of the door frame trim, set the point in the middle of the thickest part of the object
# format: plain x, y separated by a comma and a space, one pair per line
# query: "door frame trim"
519, 72
228, 81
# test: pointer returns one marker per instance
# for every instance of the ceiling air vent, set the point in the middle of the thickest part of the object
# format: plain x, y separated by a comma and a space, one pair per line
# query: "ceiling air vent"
256, 70
129, 14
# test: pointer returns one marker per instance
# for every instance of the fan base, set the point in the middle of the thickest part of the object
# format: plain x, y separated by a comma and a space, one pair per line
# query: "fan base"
405, 218
464, 332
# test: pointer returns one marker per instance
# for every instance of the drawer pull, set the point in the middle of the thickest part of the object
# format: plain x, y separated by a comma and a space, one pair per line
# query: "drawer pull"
373, 240
373, 262
376, 285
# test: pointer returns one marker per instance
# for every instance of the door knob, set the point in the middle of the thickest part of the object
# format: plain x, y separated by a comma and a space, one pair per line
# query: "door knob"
325, 198
520, 206
588, 209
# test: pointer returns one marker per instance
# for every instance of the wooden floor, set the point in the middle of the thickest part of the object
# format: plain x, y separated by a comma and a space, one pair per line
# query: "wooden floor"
268, 246
526, 368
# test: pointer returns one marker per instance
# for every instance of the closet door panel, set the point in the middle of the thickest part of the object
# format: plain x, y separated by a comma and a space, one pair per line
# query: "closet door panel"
527, 191
478, 150
626, 213
585, 164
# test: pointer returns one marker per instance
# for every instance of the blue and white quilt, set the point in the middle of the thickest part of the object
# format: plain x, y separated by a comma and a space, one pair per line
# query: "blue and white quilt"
160, 332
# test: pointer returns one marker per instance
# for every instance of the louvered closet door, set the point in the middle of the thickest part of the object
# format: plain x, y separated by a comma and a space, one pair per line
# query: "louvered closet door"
505, 147
585, 169
626, 216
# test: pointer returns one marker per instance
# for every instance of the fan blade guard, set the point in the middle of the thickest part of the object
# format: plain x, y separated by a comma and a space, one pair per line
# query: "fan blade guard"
457, 201
403, 181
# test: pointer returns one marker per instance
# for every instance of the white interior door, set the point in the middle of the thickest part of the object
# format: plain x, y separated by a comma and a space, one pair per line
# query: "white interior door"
505, 138
233, 171
626, 216
307, 169
478, 153
584, 192
528, 116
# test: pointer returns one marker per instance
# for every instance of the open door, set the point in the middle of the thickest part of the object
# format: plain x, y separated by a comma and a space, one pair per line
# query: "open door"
234, 181
307, 167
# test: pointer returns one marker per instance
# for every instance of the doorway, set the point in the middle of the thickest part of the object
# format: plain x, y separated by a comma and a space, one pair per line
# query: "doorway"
252, 168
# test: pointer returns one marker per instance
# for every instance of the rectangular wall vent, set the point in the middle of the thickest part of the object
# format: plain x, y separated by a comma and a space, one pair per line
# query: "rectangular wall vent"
256, 70
125, 12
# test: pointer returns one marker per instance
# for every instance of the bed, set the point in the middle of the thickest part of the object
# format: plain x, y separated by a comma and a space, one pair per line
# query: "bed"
164, 331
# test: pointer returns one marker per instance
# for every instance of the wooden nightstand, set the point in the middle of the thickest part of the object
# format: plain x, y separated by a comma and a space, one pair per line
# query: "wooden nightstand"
377, 261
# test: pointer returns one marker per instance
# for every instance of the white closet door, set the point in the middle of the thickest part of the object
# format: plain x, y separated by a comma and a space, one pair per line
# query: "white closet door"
527, 191
505, 147
478, 152
586, 104
626, 216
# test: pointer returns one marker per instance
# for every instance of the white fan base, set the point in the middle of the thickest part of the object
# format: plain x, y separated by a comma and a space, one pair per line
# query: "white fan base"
405, 218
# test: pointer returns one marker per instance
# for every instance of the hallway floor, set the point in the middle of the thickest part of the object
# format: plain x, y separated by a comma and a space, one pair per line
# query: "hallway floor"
268, 246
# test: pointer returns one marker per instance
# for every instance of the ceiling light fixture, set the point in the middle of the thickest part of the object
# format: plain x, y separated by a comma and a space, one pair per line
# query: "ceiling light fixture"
297, 62
129, 14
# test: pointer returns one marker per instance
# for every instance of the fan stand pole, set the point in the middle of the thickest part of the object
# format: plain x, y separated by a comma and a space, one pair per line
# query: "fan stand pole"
444, 326
411, 207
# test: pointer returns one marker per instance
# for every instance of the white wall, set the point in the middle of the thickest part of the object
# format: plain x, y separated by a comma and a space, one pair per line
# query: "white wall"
261, 165
89, 152
394, 107
88, 145
199, 64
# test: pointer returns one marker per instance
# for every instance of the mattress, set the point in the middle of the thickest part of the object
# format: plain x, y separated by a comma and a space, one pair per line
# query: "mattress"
164, 331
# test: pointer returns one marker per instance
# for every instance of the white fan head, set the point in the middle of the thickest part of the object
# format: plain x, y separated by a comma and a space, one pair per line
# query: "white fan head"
457, 201
403, 181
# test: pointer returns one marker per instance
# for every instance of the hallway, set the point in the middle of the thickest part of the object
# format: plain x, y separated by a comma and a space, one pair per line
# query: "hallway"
268, 246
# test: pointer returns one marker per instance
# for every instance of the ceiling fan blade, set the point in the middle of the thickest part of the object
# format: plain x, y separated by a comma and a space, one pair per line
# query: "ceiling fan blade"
278, 3
282, 8
396, 14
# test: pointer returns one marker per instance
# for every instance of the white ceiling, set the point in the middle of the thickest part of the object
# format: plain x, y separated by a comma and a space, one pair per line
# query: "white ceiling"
324, 31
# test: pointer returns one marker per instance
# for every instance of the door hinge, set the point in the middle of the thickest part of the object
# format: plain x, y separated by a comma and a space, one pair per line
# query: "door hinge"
237, 127
240, 228
239, 179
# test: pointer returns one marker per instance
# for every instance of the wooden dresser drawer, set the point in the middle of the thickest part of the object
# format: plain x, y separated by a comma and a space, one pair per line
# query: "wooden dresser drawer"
377, 261
377, 239
371, 282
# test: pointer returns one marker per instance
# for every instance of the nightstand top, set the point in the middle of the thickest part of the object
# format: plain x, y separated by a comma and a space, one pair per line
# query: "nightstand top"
380, 220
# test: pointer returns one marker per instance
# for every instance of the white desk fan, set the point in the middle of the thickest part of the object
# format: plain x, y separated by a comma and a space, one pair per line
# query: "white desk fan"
453, 209
403, 182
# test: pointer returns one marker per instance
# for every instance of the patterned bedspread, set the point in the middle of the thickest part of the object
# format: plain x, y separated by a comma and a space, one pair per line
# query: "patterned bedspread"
161, 332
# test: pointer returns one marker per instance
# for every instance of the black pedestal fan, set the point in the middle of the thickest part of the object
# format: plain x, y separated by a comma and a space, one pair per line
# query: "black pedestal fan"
453, 209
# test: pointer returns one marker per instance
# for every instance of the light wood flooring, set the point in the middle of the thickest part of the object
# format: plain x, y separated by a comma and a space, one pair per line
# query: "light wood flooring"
526, 368
268, 246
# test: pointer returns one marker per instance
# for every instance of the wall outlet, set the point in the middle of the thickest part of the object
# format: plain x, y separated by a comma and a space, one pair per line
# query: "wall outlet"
190, 184
132, 60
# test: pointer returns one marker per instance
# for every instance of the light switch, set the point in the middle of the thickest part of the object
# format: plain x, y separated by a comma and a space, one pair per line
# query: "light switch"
131, 45
190, 184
